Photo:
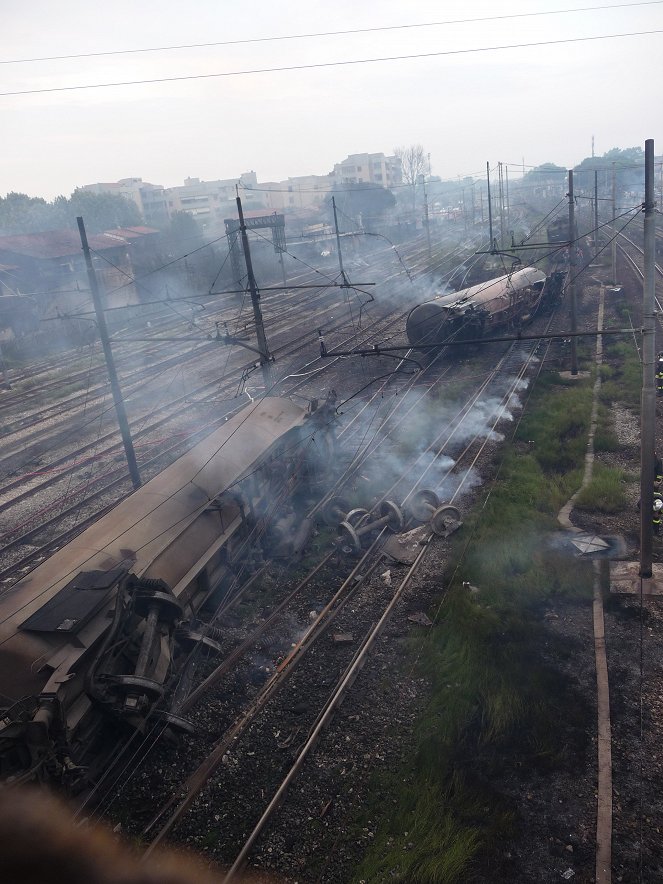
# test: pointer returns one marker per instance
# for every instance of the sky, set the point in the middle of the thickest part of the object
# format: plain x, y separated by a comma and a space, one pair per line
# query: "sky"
465, 101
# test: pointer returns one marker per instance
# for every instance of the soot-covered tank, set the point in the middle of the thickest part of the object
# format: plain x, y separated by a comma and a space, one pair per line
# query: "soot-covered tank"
510, 300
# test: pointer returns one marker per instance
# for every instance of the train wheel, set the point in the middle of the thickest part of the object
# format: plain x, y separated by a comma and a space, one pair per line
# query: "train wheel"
421, 502
444, 518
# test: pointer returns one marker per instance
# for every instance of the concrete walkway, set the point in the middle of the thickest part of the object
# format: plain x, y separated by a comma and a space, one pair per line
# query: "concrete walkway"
604, 747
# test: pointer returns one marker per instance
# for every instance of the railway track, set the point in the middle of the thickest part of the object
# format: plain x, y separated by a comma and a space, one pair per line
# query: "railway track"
350, 593
303, 672
100, 481
115, 479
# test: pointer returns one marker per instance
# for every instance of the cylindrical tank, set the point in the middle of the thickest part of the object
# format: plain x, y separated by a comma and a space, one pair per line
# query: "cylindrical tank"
511, 298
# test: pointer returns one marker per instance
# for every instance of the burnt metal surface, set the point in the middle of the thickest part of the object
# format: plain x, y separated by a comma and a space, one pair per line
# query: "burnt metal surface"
76, 602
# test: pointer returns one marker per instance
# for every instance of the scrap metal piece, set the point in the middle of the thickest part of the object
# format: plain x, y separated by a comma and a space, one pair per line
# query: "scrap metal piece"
589, 543
404, 548
342, 638
420, 618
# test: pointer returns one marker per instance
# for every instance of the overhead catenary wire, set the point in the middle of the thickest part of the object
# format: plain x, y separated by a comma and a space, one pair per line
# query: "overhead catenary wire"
282, 37
331, 64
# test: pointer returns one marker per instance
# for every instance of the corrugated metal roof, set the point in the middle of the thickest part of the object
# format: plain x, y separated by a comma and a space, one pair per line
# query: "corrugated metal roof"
56, 243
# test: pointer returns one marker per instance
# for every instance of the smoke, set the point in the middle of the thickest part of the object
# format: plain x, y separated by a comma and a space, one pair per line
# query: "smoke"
430, 426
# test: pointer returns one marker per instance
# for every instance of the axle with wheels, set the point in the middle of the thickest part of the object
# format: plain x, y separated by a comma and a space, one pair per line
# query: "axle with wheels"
140, 688
425, 507
338, 510
389, 516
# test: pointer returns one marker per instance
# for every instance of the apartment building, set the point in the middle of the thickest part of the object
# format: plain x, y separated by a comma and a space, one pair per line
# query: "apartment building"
304, 193
369, 168
209, 202
151, 199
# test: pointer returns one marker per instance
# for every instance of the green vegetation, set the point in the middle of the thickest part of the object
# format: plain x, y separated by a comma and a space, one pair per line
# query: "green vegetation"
492, 696
624, 383
605, 438
20, 213
557, 423
605, 492
621, 380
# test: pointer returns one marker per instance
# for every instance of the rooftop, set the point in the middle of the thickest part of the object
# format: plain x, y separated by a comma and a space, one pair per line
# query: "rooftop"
56, 243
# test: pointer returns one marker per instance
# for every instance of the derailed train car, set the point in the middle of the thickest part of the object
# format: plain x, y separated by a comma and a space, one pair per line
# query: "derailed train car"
96, 634
510, 300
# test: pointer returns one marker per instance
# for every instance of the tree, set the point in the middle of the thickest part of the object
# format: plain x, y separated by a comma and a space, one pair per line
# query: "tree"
367, 200
101, 211
414, 164
20, 213
184, 231
627, 163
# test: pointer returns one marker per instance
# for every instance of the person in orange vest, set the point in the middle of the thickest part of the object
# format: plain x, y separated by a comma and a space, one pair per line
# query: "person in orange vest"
659, 375
657, 512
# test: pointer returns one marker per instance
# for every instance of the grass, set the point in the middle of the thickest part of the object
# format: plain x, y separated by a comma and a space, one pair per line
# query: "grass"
605, 492
605, 439
623, 383
492, 697
558, 423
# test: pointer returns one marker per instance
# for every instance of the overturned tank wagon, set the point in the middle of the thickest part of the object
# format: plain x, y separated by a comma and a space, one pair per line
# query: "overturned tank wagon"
508, 301
93, 640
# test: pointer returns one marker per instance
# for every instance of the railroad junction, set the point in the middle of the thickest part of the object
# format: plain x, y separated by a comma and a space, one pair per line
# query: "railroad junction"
276, 773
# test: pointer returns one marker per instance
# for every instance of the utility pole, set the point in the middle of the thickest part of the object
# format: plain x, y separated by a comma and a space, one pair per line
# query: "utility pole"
263, 349
500, 182
572, 273
508, 204
490, 210
338, 245
285, 281
596, 214
427, 220
648, 399
110, 365
614, 225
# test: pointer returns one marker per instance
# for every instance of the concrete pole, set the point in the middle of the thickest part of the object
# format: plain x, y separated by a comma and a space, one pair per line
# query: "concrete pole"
285, 281
648, 399
265, 357
490, 210
338, 245
508, 204
427, 221
614, 231
110, 364
596, 214
500, 181
572, 274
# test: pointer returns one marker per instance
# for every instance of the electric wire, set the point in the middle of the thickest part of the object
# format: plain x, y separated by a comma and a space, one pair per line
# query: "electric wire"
331, 64
283, 37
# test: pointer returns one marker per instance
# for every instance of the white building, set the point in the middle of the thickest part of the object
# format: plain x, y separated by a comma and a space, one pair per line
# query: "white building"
150, 198
369, 168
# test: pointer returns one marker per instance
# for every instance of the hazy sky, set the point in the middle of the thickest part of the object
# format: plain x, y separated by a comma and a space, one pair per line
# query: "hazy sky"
541, 103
